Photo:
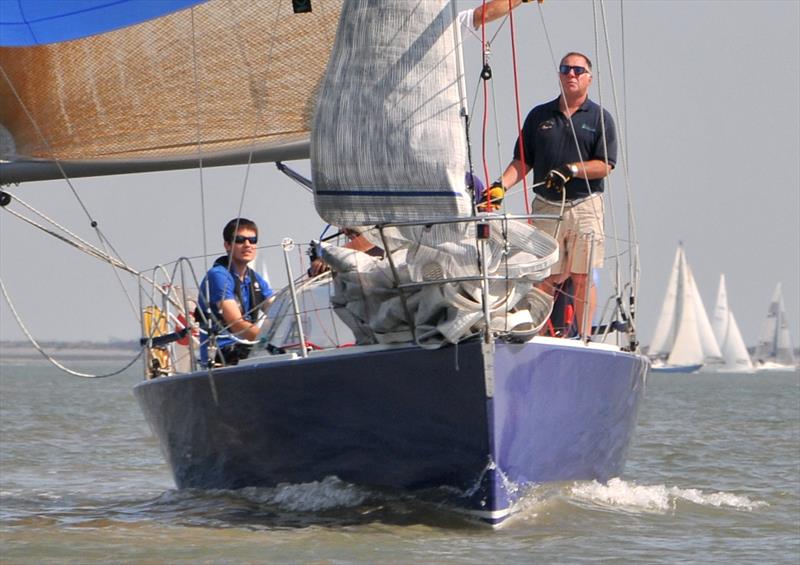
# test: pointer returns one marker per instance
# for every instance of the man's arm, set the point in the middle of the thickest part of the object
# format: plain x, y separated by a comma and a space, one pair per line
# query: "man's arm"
494, 9
594, 169
514, 173
237, 325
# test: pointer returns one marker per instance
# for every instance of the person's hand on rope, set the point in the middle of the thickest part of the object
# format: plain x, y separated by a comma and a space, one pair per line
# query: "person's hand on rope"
492, 197
318, 266
558, 178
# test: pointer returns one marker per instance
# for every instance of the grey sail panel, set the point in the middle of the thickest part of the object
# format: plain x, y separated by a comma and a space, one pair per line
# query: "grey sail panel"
384, 148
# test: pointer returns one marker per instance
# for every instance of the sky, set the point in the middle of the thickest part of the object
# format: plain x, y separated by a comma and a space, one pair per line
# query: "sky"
707, 102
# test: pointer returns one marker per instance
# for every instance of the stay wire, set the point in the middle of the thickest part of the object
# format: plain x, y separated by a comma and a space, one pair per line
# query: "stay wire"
632, 232
104, 241
517, 102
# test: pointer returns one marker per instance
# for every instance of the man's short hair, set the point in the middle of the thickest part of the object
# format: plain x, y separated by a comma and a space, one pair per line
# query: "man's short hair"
230, 229
577, 54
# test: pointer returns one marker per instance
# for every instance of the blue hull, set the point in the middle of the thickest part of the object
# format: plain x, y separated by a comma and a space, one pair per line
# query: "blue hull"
405, 418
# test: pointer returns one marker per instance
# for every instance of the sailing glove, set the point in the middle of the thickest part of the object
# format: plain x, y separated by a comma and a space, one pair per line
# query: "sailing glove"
557, 178
492, 197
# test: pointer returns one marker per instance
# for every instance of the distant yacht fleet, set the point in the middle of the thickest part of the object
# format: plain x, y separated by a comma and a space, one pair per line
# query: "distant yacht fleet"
686, 341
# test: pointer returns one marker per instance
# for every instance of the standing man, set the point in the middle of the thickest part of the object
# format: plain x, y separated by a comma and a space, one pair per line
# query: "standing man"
232, 296
571, 145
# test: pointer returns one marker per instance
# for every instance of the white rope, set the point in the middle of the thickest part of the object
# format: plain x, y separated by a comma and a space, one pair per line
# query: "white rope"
49, 357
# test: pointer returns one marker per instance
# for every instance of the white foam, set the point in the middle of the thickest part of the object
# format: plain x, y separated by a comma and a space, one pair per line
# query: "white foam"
328, 493
655, 498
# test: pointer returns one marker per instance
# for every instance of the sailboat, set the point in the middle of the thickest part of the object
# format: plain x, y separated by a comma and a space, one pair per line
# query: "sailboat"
683, 340
775, 350
726, 331
431, 379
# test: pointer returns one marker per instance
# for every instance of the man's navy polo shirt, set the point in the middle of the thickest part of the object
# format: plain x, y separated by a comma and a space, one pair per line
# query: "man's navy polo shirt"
549, 143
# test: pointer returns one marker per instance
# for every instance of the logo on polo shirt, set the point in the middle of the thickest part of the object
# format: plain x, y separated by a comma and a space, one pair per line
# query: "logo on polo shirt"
587, 127
546, 125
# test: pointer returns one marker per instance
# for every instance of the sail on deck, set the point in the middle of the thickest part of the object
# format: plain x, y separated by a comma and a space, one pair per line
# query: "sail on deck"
389, 145
228, 80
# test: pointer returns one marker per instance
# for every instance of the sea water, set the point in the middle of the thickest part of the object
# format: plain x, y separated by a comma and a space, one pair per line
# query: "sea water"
713, 476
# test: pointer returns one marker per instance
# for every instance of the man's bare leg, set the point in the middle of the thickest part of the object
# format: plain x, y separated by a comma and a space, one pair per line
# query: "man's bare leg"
579, 282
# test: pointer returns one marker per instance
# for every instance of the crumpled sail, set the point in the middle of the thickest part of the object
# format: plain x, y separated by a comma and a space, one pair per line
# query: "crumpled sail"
726, 331
388, 140
775, 342
366, 298
130, 99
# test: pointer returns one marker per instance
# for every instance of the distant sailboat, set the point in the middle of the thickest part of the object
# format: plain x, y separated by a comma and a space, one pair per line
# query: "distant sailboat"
683, 341
729, 338
774, 350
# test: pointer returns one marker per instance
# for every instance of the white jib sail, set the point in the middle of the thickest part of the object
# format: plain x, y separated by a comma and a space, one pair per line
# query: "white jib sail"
687, 348
711, 351
775, 344
727, 334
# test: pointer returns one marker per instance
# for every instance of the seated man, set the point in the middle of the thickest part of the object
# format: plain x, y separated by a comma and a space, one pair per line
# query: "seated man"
231, 296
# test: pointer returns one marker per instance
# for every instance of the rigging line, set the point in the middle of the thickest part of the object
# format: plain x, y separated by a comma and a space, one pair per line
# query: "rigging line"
632, 235
516, 101
258, 107
51, 359
83, 246
196, 77
74, 240
498, 143
100, 235
563, 97
485, 76
88, 249
604, 27
632, 232
49, 149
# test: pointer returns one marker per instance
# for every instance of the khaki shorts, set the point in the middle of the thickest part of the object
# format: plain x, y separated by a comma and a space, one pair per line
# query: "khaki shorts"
579, 223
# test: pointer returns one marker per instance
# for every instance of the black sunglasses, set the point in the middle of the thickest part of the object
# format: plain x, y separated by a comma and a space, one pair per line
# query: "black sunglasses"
565, 69
241, 239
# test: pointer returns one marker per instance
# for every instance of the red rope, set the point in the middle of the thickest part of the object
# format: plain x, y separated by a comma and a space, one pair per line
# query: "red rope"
516, 102
485, 101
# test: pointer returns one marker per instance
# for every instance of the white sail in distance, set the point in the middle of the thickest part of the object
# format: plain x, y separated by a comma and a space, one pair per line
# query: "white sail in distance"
727, 334
775, 349
677, 337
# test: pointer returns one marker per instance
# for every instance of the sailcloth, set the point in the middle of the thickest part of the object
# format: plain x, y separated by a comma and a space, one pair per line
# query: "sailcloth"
775, 342
683, 335
727, 334
388, 140
389, 145
228, 81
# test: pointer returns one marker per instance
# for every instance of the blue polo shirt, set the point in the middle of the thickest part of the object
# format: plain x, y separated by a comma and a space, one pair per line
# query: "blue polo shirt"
549, 143
221, 286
